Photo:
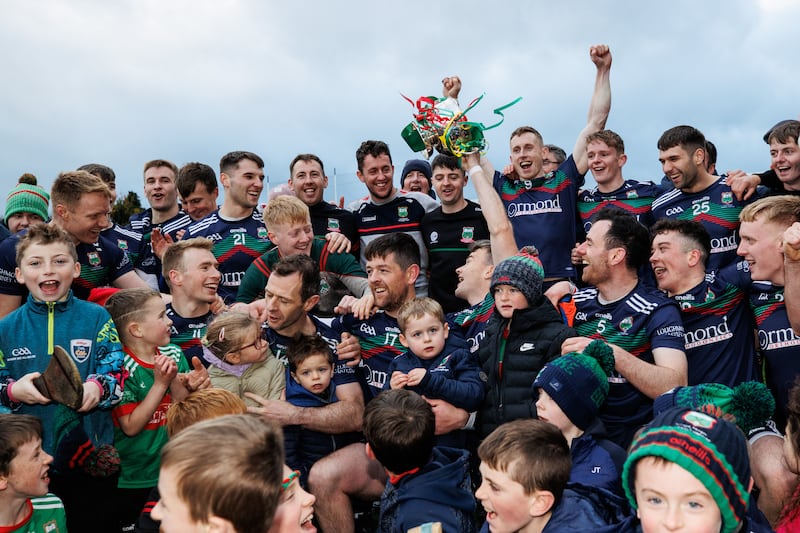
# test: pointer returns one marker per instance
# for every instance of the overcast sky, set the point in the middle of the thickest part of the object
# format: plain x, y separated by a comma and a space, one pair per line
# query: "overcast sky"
124, 82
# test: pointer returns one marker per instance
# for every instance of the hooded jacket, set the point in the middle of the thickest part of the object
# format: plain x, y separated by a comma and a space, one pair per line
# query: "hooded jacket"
584, 508
86, 331
440, 491
535, 338
596, 461
304, 447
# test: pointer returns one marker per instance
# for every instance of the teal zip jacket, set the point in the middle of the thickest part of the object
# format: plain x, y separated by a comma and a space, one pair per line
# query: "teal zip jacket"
85, 330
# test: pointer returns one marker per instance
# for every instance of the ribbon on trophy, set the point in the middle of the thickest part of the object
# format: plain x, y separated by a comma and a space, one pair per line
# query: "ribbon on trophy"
440, 125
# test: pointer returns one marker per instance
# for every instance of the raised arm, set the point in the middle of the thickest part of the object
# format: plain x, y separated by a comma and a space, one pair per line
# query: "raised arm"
600, 105
501, 233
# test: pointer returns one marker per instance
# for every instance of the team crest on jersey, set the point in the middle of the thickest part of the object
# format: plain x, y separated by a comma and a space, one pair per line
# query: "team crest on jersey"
434, 237
727, 198
402, 212
94, 258
122, 244
632, 194
262, 233
467, 234
710, 295
80, 349
626, 324
51, 527
333, 224
700, 420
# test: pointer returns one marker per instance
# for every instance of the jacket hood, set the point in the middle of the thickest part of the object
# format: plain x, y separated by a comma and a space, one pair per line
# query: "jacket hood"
440, 481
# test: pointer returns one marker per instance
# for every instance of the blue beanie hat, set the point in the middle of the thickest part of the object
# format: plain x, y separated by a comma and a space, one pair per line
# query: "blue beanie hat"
578, 382
419, 165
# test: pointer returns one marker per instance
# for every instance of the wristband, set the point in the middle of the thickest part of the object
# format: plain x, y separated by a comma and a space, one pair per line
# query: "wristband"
471, 420
8, 392
474, 169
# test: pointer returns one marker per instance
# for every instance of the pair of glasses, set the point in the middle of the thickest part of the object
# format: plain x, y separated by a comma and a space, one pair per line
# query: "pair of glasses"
548, 162
259, 343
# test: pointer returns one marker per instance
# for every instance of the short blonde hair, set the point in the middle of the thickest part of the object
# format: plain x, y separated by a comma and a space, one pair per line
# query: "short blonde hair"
417, 308
230, 467
173, 257
285, 210
783, 210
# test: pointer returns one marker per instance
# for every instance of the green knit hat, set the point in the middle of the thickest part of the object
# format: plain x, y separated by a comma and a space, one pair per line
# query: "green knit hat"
27, 198
711, 449
750, 403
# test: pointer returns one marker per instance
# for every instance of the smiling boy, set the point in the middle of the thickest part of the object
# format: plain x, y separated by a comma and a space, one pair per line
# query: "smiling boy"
152, 365
525, 466
51, 317
688, 471
25, 505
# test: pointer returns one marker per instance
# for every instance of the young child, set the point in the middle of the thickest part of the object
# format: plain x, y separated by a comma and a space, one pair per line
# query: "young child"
309, 384
524, 334
525, 466
570, 391
152, 365
426, 484
240, 358
221, 475
435, 365
688, 470
25, 505
79, 440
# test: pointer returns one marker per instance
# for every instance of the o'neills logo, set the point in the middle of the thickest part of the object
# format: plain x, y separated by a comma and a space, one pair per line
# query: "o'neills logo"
701, 454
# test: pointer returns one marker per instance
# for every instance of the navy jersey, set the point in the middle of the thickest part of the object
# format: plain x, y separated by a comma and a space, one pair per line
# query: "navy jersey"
236, 244
543, 213
327, 218
718, 328
379, 336
640, 322
127, 240
341, 372
188, 333
778, 343
634, 197
403, 213
716, 208
148, 265
470, 323
447, 237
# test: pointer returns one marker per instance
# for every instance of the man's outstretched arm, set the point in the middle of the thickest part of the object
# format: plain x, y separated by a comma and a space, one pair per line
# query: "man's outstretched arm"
600, 105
